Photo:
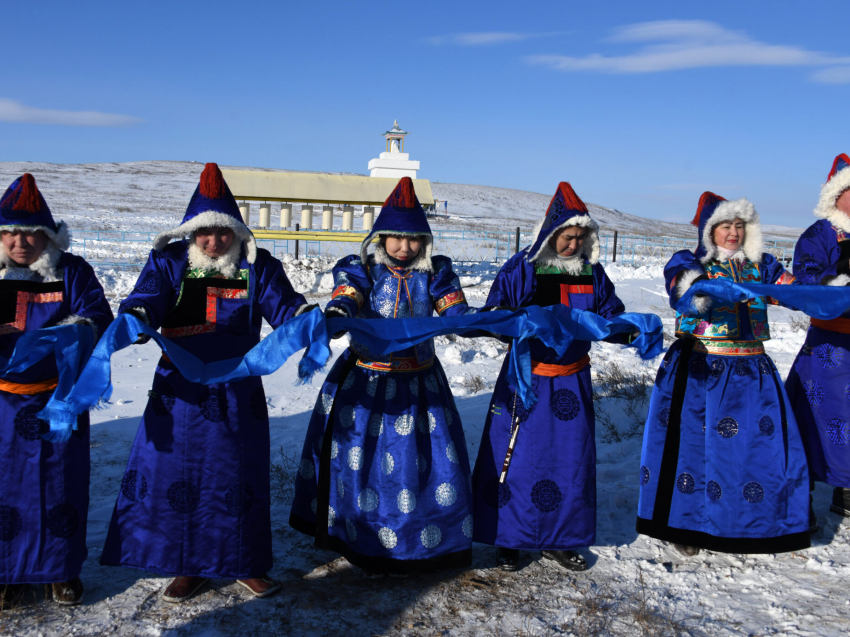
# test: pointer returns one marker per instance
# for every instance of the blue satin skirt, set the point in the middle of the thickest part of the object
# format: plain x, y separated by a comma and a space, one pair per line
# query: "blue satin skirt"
548, 500
819, 390
45, 497
384, 477
722, 465
195, 497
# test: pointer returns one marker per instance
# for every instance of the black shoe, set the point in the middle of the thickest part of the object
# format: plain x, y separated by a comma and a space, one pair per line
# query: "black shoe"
68, 593
840, 502
686, 550
507, 559
568, 559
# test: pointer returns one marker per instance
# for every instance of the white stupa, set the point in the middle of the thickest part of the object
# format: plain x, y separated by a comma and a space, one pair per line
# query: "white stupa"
394, 163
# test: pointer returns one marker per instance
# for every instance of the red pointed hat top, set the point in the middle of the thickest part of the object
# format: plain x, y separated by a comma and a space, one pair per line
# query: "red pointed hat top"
403, 196
568, 197
841, 162
28, 199
212, 182
707, 199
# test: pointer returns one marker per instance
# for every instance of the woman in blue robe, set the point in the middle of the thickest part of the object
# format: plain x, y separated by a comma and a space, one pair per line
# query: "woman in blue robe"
194, 501
722, 465
548, 499
45, 499
384, 475
819, 382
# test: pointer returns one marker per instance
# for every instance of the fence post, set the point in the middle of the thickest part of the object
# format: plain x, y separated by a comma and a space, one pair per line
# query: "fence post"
516, 244
297, 228
614, 259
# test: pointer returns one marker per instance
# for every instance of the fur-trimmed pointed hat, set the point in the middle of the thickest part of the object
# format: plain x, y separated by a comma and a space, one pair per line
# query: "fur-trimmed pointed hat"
403, 215
837, 182
714, 209
23, 209
566, 209
212, 206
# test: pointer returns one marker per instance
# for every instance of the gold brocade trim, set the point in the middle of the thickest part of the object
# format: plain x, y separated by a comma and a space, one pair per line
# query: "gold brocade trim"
395, 365
449, 300
729, 348
350, 292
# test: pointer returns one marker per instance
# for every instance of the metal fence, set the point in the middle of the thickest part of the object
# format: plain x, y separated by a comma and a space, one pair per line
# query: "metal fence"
122, 249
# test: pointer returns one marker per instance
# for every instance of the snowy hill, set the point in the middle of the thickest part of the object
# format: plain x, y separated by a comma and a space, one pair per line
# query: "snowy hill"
149, 195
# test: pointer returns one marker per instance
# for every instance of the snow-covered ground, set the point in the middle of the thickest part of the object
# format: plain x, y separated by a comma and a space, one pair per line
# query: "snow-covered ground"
635, 586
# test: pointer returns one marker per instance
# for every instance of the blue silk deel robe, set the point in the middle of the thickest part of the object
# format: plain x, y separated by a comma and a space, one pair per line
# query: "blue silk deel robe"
722, 464
819, 382
45, 498
384, 475
195, 496
548, 500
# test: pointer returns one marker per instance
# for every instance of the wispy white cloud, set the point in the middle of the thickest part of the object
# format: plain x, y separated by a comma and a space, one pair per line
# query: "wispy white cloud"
486, 38
833, 75
14, 111
672, 45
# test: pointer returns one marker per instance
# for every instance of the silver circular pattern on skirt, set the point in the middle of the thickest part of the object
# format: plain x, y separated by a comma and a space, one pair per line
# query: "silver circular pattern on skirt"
406, 501
431, 536
351, 531
327, 402
387, 537
446, 495
451, 453
387, 464
355, 458
404, 424
467, 526
367, 500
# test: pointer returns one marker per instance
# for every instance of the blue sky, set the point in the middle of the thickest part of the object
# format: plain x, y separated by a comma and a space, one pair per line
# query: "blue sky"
641, 106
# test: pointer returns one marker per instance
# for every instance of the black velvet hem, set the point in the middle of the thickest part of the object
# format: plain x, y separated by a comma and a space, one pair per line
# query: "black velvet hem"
753, 545
459, 559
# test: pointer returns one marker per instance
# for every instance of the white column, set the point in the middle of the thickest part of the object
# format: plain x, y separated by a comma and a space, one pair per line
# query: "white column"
265, 215
368, 217
306, 217
348, 217
245, 211
327, 217
285, 215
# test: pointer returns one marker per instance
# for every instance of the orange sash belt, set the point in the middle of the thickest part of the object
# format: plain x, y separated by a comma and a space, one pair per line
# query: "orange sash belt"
550, 369
840, 325
28, 389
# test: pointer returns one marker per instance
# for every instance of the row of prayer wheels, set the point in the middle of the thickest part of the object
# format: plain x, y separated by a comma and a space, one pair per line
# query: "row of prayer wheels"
307, 216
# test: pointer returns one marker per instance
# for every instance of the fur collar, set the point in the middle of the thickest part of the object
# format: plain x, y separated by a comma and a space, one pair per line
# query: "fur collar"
829, 194
226, 264
421, 263
727, 211
210, 219
570, 265
47, 264
590, 248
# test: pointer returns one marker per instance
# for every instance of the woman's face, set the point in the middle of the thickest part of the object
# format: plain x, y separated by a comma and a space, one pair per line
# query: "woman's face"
843, 202
569, 241
214, 241
24, 247
402, 248
729, 234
